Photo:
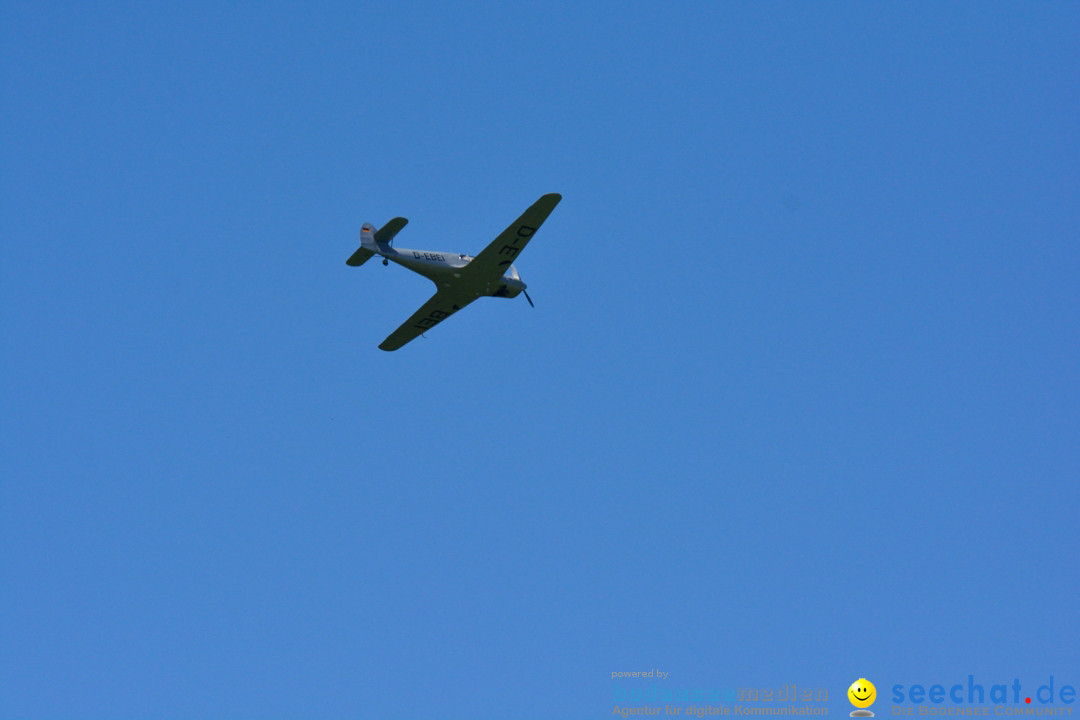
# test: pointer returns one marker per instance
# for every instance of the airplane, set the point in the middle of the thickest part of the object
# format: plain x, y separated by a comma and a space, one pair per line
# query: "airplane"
459, 279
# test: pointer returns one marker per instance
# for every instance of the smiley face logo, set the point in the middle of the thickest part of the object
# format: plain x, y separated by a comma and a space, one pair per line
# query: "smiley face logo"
862, 693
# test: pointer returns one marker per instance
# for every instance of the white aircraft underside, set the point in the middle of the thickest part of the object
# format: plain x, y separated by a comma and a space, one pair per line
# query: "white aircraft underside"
459, 279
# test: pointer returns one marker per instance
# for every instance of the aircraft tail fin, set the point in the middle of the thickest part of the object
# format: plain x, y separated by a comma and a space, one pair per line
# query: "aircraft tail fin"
367, 246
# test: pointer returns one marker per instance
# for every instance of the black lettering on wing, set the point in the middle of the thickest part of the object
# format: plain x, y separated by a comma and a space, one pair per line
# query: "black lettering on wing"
434, 318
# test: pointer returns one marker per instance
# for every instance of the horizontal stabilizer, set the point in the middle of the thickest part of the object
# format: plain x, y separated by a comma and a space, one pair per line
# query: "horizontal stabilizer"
387, 232
359, 257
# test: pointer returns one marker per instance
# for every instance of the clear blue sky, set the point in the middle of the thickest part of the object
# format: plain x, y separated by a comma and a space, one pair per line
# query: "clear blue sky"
799, 401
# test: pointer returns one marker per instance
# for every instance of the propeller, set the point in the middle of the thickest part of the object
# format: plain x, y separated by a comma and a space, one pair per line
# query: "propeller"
527, 297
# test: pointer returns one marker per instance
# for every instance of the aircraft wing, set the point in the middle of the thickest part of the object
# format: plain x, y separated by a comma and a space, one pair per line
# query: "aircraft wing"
440, 306
495, 259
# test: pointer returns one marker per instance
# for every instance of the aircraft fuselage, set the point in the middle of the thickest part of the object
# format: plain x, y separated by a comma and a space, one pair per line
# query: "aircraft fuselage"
443, 267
